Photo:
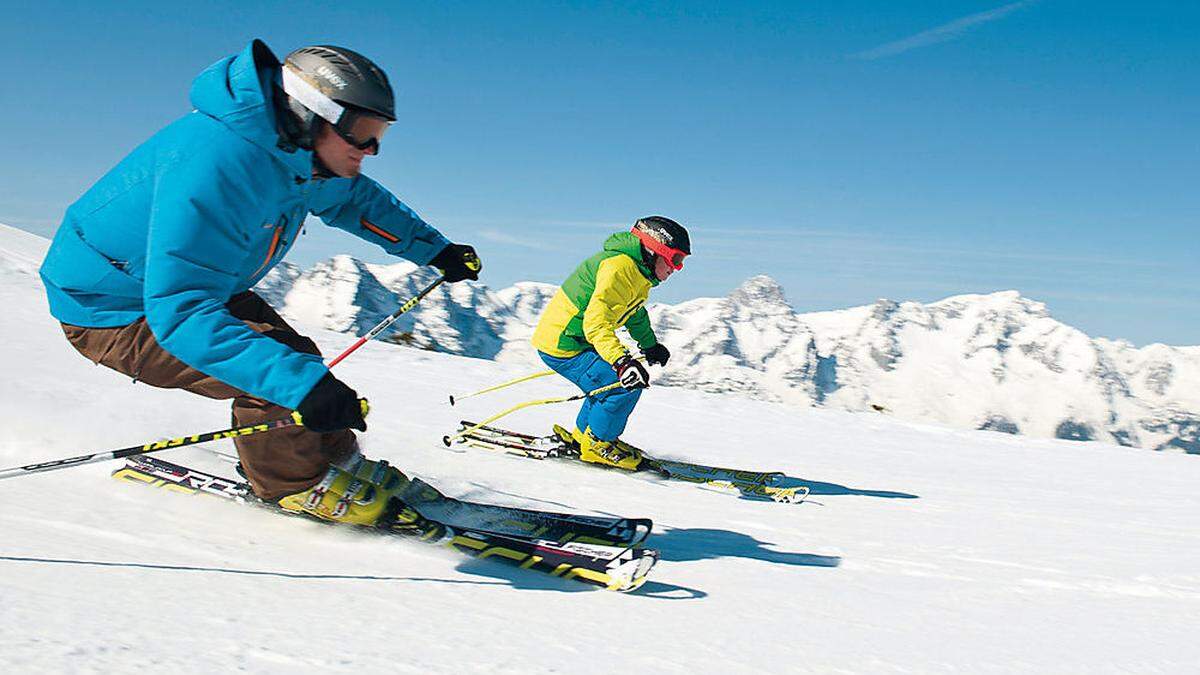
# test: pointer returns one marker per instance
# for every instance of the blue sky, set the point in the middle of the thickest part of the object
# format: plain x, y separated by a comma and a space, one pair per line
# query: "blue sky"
852, 150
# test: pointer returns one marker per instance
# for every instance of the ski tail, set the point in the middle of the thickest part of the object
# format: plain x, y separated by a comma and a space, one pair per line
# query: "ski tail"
165, 475
760, 485
512, 442
702, 473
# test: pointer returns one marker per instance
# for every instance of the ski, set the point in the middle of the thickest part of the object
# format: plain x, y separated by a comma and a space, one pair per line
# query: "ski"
518, 522
621, 568
760, 484
525, 523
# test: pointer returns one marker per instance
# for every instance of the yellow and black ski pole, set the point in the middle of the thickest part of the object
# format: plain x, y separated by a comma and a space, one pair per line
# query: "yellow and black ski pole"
447, 440
145, 448
155, 446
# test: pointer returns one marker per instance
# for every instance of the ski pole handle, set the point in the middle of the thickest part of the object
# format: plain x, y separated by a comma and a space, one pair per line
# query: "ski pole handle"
391, 318
363, 406
472, 261
146, 448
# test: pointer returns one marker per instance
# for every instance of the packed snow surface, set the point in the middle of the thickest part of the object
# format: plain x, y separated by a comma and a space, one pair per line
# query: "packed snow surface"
923, 549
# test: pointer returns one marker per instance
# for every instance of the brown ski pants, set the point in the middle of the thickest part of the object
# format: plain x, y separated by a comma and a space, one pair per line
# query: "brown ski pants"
279, 462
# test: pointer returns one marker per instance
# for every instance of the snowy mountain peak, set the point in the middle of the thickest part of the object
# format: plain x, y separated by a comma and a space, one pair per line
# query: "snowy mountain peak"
760, 292
1010, 303
884, 308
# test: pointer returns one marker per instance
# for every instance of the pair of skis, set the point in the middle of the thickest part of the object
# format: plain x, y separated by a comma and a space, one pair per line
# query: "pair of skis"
754, 484
596, 550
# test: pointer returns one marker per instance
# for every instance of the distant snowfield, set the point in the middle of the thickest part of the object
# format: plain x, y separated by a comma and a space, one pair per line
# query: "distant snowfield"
925, 549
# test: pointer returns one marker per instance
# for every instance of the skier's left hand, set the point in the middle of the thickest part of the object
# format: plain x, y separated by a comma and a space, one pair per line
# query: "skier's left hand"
631, 373
658, 355
458, 262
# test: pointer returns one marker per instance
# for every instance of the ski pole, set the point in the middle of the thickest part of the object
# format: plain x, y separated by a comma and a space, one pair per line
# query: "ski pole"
391, 318
447, 440
502, 385
293, 420
542, 373
145, 448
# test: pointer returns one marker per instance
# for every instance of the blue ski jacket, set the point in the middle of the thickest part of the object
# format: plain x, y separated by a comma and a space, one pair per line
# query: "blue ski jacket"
199, 213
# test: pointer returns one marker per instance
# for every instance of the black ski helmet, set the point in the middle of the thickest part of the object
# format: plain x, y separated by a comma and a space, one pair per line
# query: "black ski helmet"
665, 238
334, 84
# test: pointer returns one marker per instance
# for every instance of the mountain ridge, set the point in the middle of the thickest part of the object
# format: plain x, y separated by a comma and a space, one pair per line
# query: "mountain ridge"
996, 361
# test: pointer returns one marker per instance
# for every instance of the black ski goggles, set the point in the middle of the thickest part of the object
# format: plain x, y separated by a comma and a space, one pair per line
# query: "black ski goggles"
361, 129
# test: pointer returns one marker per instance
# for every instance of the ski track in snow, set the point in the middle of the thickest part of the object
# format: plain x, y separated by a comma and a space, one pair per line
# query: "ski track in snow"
926, 549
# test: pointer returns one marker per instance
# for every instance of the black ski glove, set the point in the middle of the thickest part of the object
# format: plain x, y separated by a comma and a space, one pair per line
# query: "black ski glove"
332, 406
631, 373
658, 355
458, 262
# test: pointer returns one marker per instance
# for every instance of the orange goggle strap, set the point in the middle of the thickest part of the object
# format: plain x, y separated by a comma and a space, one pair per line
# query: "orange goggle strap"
671, 255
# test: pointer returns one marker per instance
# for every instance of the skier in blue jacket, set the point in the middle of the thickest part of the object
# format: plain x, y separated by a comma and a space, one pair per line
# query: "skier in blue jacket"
151, 269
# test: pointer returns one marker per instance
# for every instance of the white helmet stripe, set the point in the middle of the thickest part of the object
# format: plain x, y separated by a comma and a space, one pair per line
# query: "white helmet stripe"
311, 97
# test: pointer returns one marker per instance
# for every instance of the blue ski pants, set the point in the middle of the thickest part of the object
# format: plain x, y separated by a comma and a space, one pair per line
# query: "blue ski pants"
607, 413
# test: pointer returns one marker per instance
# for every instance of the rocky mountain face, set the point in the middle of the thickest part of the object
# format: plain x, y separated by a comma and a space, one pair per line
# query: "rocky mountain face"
467, 318
997, 362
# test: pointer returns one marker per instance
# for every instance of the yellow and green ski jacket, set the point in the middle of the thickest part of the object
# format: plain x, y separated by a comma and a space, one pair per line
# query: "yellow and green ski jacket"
607, 291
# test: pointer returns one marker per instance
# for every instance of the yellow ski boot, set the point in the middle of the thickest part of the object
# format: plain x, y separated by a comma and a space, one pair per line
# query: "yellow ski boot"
356, 491
616, 453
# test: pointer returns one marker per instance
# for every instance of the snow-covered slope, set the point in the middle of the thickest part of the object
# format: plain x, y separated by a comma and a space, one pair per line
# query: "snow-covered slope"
21, 253
925, 549
997, 361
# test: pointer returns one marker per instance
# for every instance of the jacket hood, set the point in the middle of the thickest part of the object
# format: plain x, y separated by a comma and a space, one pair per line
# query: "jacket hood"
630, 245
237, 91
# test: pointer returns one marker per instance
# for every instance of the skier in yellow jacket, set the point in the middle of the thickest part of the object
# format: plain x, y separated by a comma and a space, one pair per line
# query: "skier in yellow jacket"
577, 333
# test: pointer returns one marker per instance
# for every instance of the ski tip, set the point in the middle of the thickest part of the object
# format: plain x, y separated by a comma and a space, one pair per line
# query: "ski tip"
631, 575
794, 495
446, 441
451, 399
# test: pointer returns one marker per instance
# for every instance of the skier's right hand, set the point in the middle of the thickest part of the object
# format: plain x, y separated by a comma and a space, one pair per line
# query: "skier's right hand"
631, 373
332, 406
458, 262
